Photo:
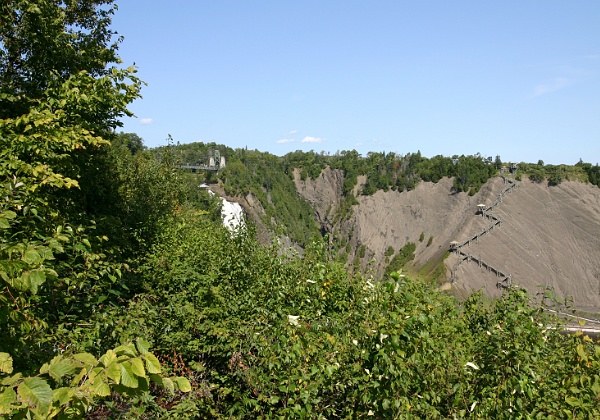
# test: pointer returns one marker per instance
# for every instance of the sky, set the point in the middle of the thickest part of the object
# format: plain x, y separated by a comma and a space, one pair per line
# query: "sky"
518, 79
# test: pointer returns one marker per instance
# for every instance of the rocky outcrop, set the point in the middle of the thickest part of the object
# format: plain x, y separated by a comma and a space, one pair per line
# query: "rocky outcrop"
323, 193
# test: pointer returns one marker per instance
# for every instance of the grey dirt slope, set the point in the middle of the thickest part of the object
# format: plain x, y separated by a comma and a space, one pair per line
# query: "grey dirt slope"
549, 236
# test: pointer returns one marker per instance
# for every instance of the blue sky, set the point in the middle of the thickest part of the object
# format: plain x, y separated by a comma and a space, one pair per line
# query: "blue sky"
519, 79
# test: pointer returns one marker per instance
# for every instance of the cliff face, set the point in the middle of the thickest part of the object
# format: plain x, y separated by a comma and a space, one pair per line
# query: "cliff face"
323, 193
548, 236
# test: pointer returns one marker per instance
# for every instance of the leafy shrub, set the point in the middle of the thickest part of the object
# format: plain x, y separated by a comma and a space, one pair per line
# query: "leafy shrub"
389, 251
403, 257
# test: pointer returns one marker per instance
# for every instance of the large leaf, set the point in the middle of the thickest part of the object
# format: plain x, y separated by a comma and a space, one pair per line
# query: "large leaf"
113, 371
168, 383
142, 345
61, 368
63, 395
137, 367
6, 363
183, 384
7, 399
36, 279
152, 363
35, 392
127, 376
108, 358
12, 380
31, 256
86, 358
100, 388
128, 350
8, 214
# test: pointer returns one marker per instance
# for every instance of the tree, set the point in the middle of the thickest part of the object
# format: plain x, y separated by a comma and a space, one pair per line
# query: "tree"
131, 141
45, 42
59, 102
498, 162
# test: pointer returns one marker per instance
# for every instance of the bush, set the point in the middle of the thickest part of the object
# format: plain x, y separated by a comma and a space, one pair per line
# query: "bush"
389, 251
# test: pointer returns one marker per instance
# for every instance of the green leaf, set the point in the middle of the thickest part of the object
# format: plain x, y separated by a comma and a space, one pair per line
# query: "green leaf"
61, 368
46, 253
35, 392
4, 223
108, 358
137, 367
113, 371
12, 380
168, 383
7, 399
36, 279
62, 395
127, 349
86, 358
142, 345
31, 256
8, 214
152, 363
574, 402
128, 379
183, 384
100, 388
6, 363
581, 352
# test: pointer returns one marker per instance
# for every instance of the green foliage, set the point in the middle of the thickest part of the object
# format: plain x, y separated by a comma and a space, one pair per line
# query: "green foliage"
68, 385
389, 251
267, 177
272, 336
471, 173
362, 250
47, 255
59, 104
390, 170
524, 367
430, 241
45, 43
593, 173
556, 174
556, 178
131, 141
403, 257
536, 175
422, 237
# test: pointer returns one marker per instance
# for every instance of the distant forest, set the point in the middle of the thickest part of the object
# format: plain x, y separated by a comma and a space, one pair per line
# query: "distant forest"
270, 178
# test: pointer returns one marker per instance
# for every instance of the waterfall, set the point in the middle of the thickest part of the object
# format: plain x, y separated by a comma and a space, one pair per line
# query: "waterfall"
232, 214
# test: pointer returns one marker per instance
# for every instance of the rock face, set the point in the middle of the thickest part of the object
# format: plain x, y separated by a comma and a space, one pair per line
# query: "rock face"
548, 237
323, 193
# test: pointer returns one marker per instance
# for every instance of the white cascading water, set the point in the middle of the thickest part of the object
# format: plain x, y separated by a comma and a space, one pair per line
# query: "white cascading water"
232, 214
